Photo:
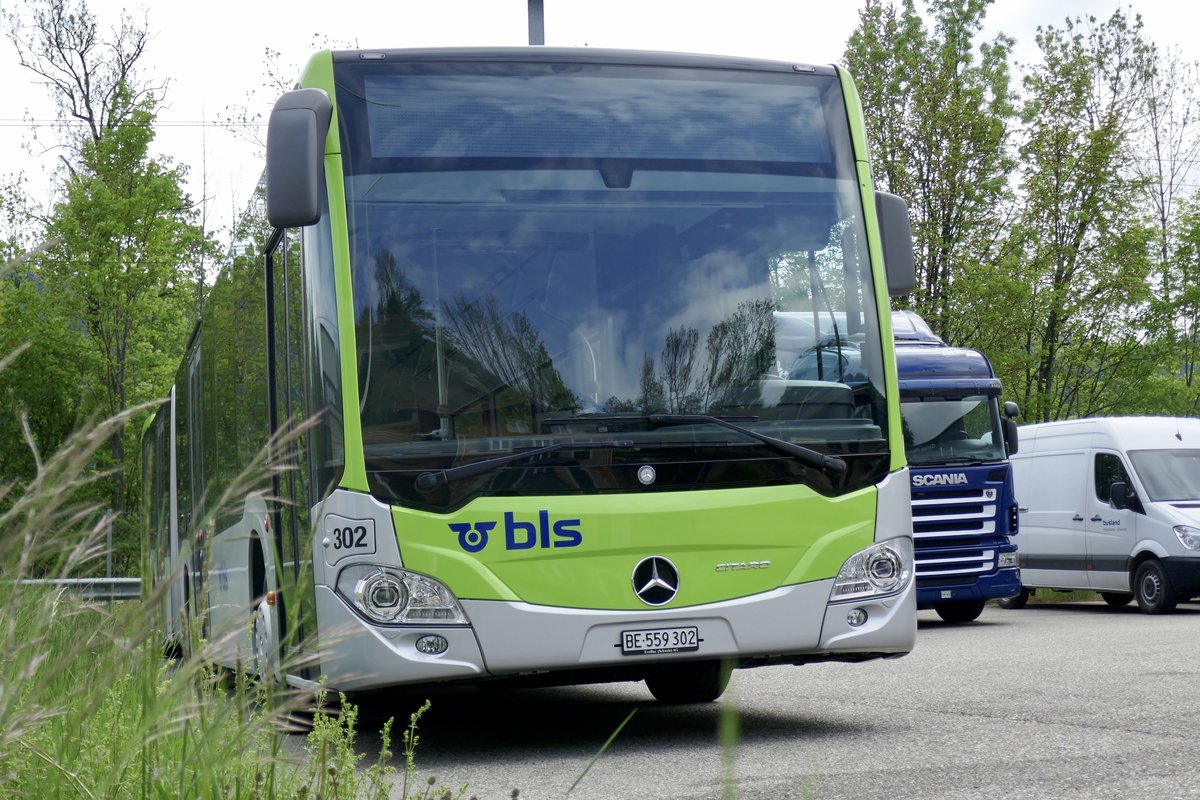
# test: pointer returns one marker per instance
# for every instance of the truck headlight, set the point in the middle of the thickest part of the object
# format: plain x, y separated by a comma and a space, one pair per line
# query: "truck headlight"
393, 596
878, 570
1188, 536
1007, 560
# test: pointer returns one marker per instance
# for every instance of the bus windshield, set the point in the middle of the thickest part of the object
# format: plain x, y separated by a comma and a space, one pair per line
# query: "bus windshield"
547, 253
952, 430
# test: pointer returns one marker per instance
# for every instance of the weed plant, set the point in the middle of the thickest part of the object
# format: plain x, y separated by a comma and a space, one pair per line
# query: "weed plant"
90, 708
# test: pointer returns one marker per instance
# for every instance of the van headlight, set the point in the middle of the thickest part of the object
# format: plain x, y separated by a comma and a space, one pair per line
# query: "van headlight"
1188, 536
878, 570
393, 596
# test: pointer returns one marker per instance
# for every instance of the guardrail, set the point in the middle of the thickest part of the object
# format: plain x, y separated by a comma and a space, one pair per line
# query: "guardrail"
94, 588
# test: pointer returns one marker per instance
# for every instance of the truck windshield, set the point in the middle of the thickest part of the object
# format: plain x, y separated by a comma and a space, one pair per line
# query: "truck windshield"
1168, 475
946, 430
539, 249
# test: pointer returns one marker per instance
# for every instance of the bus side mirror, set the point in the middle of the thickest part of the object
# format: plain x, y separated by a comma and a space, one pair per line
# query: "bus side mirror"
1118, 495
895, 231
295, 157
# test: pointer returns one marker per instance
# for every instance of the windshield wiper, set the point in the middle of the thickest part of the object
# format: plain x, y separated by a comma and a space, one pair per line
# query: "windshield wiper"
426, 482
577, 419
830, 464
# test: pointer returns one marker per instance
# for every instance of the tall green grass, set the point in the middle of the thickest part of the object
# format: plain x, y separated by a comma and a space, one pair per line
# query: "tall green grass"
89, 706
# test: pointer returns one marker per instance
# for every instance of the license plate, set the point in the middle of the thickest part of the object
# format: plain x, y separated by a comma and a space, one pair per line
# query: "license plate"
660, 640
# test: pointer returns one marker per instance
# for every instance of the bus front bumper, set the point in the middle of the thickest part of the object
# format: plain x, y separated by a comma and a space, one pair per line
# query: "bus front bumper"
792, 624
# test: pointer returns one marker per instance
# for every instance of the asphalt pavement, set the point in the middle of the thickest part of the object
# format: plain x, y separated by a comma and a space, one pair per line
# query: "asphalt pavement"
1054, 701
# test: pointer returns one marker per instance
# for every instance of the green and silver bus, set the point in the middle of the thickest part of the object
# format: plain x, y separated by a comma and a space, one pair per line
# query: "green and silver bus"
534, 307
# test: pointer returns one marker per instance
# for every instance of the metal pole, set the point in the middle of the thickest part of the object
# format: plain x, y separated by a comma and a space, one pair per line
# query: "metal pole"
537, 23
108, 518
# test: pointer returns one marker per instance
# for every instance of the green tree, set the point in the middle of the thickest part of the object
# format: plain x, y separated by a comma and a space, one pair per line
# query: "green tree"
1169, 146
117, 282
1178, 379
89, 75
1168, 150
1082, 242
40, 389
939, 112
124, 239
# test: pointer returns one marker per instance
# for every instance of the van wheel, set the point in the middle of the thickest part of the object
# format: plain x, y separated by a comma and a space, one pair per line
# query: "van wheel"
959, 612
690, 682
1018, 600
1152, 589
1116, 599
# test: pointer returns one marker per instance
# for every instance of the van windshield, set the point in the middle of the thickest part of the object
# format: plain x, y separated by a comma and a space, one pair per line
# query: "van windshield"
1168, 475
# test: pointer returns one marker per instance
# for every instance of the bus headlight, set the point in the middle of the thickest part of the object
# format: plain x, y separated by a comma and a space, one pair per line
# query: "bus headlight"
1188, 536
398, 597
878, 570
381, 595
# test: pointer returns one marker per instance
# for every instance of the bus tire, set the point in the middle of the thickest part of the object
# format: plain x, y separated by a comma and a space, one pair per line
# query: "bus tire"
187, 635
689, 682
1018, 600
959, 612
262, 642
1116, 599
1153, 590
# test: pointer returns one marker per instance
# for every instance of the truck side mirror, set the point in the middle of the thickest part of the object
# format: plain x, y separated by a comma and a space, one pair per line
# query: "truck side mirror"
1010, 409
1010, 433
295, 154
895, 231
1118, 495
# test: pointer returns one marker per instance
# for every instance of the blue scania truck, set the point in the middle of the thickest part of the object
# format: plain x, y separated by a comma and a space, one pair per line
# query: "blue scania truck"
958, 437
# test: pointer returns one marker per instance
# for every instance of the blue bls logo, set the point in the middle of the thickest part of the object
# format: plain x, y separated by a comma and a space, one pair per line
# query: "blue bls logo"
473, 536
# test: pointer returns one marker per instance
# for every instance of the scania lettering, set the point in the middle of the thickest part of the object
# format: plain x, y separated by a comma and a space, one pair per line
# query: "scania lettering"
954, 479
526, 304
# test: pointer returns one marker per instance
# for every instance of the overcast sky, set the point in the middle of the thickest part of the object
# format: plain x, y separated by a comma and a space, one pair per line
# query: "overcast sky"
212, 52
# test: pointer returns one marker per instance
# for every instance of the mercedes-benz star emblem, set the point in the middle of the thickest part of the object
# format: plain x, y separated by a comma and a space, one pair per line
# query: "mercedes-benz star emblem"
655, 581
646, 474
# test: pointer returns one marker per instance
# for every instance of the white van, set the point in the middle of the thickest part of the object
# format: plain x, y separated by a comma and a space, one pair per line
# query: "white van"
1110, 505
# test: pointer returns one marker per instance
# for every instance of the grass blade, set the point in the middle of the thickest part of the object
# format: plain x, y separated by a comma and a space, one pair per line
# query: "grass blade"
600, 752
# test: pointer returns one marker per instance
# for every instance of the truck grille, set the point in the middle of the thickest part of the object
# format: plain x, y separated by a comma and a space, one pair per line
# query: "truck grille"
954, 561
947, 527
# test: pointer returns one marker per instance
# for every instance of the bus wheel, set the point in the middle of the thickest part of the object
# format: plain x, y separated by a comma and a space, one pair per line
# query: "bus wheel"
1018, 600
959, 612
689, 682
263, 643
1116, 599
1153, 590
187, 634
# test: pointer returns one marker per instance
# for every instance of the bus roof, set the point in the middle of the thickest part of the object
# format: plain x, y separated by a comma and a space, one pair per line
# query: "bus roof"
577, 55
